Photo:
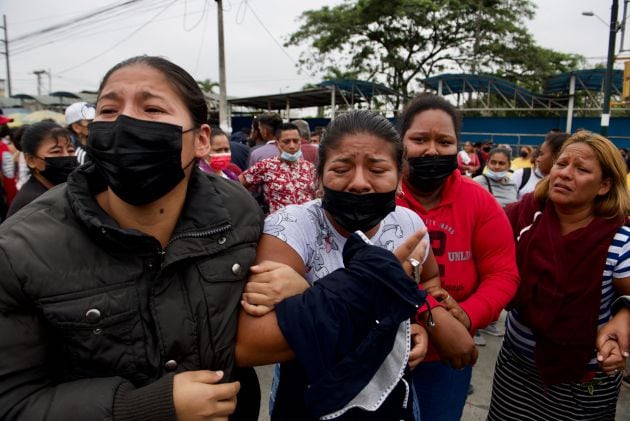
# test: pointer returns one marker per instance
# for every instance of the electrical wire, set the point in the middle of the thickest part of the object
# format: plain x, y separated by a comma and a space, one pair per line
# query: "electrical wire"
241, 6
73, 21
92, 31
284, 51
203, 14
119, 42
78, 28
203, 38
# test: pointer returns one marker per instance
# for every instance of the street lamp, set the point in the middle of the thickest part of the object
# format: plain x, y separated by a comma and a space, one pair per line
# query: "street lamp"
614, 27
590, 13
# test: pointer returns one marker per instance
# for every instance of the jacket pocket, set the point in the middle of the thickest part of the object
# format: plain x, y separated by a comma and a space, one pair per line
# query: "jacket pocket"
222, 279
95, 329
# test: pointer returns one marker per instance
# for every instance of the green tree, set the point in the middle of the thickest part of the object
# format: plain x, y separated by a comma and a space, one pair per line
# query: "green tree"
208, 85
398, 42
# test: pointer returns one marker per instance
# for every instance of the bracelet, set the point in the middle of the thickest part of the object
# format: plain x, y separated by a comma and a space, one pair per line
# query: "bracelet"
430, 323
417, 268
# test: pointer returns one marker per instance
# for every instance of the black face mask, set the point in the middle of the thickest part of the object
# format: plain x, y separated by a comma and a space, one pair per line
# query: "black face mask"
523, 154
58, 168
141, 160
358, 211
486, 148
428, 173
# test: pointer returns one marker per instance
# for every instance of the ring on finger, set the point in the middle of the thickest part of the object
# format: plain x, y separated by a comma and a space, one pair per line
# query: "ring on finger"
417, 267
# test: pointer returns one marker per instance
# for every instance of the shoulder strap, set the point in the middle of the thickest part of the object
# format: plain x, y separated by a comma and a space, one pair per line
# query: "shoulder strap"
527, 172
489, 184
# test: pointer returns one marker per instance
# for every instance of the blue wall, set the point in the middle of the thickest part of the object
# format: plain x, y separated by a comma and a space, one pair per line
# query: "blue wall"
619, 130
619, 127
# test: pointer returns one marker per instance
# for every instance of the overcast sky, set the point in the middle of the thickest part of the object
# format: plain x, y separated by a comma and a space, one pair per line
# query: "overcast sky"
185, 31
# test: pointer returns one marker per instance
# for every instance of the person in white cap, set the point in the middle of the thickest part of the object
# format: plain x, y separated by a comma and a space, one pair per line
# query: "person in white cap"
78, 116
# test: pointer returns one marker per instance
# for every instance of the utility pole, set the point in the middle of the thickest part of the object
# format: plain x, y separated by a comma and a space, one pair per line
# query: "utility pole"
223, 109
605, 121
6, 53
39, 74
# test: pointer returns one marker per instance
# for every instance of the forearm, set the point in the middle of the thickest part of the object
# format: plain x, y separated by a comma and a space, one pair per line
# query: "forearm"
493, 294
495, 258
259, 341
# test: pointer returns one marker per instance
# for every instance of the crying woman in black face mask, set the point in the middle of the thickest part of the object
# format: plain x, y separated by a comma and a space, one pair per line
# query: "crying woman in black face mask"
49, 154
430, 139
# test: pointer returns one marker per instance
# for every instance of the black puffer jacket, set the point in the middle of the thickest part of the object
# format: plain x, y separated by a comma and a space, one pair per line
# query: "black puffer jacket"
94, 319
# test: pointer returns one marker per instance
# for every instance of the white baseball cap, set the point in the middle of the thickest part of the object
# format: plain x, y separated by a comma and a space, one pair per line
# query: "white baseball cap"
79, 111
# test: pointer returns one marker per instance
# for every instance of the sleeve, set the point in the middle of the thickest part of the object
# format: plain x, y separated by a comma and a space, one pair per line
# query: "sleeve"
28, 388
290, 224
494, 250
254, 174
622, 268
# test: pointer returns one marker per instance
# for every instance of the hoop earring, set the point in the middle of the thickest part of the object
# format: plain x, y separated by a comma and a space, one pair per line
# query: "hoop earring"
400, 194
319, 194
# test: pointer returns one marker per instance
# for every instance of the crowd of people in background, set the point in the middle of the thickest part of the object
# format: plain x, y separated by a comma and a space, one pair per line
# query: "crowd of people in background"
149, 260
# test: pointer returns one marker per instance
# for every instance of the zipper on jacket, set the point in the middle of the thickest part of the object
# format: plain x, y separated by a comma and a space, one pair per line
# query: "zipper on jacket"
207, 233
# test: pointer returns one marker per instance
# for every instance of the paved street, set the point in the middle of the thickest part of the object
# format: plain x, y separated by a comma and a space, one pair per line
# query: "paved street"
477, 404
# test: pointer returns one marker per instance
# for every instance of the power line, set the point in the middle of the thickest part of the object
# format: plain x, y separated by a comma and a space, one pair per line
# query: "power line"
203, 13
119, 42
80, 28
203, 38
74, 21
93, 31
284, 51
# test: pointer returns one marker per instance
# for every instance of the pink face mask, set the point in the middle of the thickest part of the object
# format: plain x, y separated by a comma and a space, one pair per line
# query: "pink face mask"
219, 161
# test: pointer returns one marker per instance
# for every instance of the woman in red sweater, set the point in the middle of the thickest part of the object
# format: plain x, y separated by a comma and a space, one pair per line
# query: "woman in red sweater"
471, 240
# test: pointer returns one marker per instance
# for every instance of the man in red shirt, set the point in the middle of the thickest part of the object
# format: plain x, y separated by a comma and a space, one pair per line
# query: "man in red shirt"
286, 179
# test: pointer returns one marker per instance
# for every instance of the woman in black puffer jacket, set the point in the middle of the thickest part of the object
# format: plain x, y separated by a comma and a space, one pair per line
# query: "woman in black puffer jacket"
119, 291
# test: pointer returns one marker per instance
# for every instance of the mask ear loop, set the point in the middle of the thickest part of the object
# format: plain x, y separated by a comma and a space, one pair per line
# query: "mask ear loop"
194, 158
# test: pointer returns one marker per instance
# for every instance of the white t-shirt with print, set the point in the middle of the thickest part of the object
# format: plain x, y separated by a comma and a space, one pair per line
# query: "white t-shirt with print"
306, 229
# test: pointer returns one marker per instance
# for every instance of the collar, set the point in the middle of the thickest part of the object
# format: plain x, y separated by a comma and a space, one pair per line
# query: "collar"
203, 216
271, 142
